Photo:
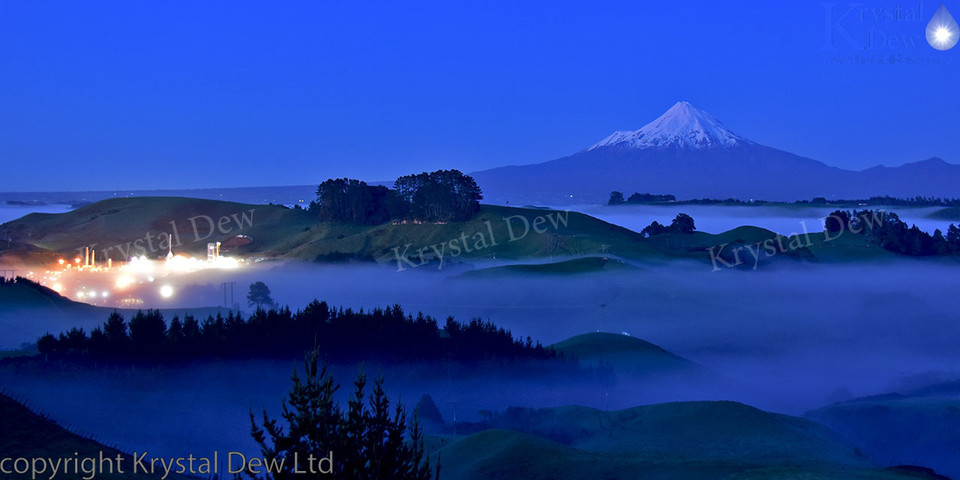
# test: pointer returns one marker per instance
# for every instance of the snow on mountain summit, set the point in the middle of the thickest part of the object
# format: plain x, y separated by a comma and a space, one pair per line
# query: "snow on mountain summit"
683, 126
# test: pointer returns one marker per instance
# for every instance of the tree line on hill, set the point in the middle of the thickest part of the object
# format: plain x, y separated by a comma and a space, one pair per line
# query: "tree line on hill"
917, 201
440, 196
682, 223
886, 230
340, 335
617, 198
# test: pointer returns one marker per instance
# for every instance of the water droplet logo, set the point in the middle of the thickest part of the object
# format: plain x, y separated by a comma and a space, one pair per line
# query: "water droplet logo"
943, 31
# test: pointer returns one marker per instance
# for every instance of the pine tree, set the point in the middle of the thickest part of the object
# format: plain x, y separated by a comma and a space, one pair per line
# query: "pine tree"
367, 442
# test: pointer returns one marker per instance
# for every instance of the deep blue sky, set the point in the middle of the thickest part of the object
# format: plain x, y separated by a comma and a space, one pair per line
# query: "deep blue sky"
151, 94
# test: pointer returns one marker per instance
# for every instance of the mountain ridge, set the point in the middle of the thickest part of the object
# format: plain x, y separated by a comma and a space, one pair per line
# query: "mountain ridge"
689, 153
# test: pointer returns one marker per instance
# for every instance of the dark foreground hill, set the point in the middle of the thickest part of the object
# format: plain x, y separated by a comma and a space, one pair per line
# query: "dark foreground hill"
24, 434
692, 440
911, 428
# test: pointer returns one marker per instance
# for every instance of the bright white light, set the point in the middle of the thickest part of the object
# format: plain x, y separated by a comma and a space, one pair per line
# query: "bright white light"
226, 263
58, 287
166, 291
942, 31
124, 281
182, 264
105, 294
79, 294
140, 264
942, 35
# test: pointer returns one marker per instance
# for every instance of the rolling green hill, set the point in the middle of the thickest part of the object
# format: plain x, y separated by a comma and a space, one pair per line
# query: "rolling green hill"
949, 213
120, 228
279, 232
626, 354
899, 428
566, 267
691, 440
500, 232
120, 223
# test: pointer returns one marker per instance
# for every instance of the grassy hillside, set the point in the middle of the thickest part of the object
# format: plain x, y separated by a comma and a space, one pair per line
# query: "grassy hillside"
28, 294
810, 247
28, 435
950, 213
504, 232
901, 429
699, 241
496, 232
693, 440
117, 222
624, 353
566, 267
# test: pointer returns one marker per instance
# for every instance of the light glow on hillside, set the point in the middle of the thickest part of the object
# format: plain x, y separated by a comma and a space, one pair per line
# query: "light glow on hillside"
131, 283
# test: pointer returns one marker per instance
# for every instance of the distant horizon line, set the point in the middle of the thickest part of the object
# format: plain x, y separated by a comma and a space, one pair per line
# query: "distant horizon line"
371, 182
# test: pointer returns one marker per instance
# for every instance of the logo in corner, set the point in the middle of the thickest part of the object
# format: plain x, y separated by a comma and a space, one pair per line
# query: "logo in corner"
943, 31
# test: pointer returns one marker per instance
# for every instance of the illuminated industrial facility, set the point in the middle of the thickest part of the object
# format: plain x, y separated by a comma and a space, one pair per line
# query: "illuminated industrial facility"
129, 283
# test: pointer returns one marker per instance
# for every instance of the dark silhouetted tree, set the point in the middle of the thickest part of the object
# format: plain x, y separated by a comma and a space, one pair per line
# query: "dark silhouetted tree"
427, 410
47, 344
367, 441
650, 198
838, 221
116, 329
655, 228
148, 332
683, 223
260, 295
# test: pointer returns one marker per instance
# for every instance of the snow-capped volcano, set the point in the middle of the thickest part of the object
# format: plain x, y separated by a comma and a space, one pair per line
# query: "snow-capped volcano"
690, 154
683, 126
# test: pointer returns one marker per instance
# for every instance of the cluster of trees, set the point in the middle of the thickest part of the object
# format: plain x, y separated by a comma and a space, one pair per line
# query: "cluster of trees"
370, 439
340, 335
886, 230
682, 223
441, 196
616, 198
353, 201
444, 195
917, 201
